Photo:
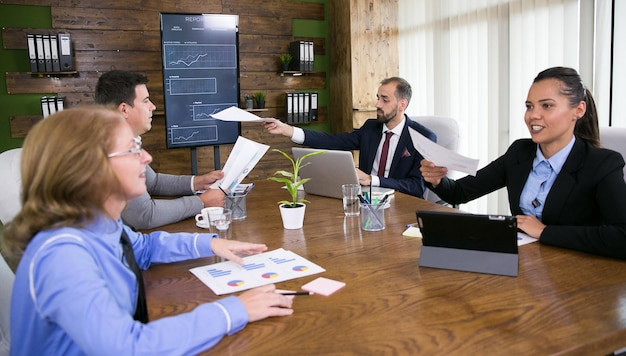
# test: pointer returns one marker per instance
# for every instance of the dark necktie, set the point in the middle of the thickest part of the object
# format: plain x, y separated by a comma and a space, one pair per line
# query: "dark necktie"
141, 312
383, 155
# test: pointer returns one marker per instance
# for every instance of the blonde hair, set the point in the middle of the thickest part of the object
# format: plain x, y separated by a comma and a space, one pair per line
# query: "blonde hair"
66, 176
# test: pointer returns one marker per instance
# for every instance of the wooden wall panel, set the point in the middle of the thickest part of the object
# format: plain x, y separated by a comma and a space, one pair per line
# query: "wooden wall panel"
361, 47
125, 35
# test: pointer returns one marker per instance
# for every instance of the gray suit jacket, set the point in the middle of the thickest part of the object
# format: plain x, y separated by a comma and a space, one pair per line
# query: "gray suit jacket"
147, 213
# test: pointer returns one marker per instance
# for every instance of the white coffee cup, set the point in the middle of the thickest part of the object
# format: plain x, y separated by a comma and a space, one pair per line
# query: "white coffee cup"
204, 217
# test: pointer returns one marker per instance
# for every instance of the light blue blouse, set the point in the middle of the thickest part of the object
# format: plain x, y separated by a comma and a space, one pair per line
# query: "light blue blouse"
73, 295
541, 179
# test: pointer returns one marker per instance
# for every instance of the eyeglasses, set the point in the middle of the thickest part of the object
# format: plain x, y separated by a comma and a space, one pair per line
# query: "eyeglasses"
135, 150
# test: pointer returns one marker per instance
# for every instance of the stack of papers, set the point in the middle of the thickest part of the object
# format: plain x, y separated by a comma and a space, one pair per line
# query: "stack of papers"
257, 270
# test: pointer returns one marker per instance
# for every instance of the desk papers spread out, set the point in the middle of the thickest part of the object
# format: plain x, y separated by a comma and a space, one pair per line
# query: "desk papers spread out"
234, 113
442, 156
257, 270
242, 159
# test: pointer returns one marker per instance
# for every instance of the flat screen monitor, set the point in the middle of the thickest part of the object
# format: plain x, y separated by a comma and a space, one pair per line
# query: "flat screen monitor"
200, 77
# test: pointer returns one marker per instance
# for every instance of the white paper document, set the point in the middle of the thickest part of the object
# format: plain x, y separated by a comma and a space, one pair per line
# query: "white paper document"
257, 270
442, 156
234, 113
242, 159
523, 239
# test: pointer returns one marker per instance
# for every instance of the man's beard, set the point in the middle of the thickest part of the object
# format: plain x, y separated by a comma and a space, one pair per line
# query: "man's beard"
383, 119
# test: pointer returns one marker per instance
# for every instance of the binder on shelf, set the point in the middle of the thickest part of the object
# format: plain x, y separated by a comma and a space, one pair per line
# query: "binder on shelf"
311, 56
300, 107
313, 112
307, 56
289, 105
47, 52
65, 52
52, 104
298, 55
306, 108
32, 52
296, 109
45, 110
54, 47
60, 102
41, 61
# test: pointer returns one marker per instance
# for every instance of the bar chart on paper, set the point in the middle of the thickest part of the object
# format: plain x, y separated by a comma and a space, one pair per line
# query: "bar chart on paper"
258, 270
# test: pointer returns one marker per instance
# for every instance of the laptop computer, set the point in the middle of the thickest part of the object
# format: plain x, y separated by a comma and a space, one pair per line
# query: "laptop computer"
327, 171
469, 242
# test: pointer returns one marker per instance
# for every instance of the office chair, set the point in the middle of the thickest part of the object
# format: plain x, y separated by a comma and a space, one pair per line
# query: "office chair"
11, 184
447, 131
614, 138
6, 281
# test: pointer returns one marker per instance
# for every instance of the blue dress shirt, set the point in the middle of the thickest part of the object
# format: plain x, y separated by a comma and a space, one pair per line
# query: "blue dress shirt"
73, 295
541, 179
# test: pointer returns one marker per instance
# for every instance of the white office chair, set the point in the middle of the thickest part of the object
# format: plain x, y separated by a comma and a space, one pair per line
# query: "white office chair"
10, 184
6, 281
447, 131
614, 138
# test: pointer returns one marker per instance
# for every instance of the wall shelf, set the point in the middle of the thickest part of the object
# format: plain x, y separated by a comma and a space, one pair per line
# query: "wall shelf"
294, 73
54, 74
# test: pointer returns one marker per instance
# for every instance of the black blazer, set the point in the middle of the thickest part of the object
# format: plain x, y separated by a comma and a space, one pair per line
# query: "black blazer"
404, 174
585, 209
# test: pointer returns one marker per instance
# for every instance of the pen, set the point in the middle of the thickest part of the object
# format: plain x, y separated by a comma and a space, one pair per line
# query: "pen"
370, 208
222, 190
297, 293
384, 199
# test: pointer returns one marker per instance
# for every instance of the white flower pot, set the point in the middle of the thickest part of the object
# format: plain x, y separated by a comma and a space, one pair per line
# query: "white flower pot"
293, 218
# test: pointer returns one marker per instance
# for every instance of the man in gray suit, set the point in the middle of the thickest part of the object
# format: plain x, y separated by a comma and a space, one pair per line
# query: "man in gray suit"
127, 91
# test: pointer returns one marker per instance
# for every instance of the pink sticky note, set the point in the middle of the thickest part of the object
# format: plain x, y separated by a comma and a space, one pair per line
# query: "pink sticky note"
323, 286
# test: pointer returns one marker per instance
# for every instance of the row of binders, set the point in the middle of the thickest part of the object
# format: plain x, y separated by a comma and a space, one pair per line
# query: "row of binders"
302, 57
51, 104
301, 107
50, 52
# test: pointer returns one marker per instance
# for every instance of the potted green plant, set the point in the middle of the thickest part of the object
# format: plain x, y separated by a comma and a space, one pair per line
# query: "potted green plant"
292, 211
285, 59
259, 97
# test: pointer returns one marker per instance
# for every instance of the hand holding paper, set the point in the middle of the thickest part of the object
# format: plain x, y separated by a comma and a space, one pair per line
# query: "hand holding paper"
442, 156
244, 156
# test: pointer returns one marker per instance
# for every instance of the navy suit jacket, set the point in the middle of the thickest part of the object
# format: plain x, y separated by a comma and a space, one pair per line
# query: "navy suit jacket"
404, 173
585, 209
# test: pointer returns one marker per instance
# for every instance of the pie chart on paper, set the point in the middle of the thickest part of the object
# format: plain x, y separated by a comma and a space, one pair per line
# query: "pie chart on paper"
235, 283
269, 275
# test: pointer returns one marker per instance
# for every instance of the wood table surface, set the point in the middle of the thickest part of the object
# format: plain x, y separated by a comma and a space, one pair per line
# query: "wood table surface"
563, 301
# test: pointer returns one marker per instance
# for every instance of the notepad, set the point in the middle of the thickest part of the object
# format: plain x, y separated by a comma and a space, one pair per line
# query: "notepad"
323, 286
412, 231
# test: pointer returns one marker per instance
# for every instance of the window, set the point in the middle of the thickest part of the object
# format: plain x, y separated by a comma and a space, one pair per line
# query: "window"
474, 60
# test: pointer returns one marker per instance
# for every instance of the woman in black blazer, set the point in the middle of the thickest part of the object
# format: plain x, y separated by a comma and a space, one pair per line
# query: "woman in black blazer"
563, 188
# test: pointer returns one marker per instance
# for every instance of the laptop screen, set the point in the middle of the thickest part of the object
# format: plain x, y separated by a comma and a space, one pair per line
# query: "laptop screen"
327, 171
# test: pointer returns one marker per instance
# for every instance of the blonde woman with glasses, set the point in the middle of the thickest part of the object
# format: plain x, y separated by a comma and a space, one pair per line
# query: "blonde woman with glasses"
78, 287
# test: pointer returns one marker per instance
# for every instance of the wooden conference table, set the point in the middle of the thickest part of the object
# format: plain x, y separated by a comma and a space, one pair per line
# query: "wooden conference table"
562, 301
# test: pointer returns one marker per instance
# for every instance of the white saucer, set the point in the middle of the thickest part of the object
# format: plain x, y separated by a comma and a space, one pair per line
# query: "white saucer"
202, 225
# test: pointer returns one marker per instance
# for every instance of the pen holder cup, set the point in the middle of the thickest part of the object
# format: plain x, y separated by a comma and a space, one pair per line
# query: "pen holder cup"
372, 217
237, 204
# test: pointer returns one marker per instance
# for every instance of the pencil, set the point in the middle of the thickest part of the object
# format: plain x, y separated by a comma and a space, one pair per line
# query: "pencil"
297, 293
